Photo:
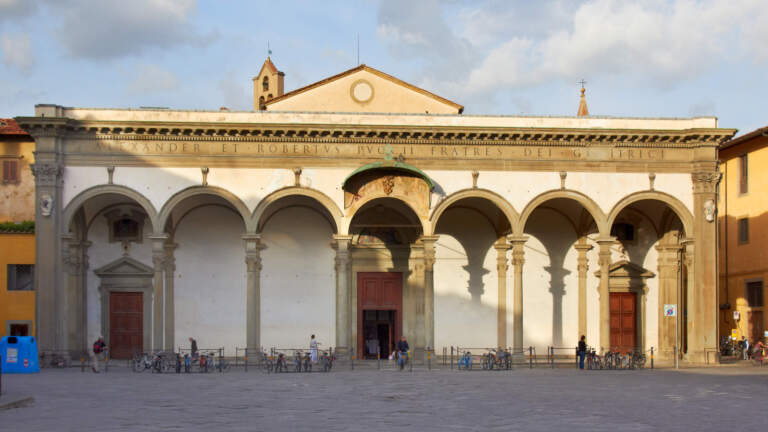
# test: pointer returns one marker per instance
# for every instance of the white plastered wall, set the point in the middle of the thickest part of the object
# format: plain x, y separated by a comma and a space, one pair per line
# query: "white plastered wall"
298, 285
101, 253
550, 272
466, 282
210, 279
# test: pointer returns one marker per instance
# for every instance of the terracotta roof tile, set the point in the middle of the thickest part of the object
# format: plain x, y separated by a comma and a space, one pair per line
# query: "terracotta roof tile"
10, 127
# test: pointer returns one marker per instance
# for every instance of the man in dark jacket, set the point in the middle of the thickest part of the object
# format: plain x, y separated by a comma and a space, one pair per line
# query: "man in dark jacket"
402, 352
582, 351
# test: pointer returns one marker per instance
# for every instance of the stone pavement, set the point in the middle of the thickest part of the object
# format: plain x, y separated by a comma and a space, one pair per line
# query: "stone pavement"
523, 399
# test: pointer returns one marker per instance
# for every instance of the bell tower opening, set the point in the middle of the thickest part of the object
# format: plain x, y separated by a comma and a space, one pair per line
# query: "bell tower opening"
268, 84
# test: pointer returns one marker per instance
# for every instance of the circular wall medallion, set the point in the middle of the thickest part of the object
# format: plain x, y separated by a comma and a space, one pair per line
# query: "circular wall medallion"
361, 91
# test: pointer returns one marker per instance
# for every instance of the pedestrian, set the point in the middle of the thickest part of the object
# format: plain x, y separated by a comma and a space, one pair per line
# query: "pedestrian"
745, 348
193, 347
98, 349
313, 349
582, 351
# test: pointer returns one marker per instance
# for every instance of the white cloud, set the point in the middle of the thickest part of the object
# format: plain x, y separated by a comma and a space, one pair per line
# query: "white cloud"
495, 45
116, 28
235, 94
15, 9
152, 79
17, 51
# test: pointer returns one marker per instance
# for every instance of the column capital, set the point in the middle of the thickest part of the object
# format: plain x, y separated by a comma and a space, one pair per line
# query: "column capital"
429, 239
501, 255
705, 181
583, 247
46, 173
515, 240
429, 251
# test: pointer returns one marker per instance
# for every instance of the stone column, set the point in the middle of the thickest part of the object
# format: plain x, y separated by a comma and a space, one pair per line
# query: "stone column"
686, 312
583, 266
170, 305
72, 320
158, 306
49, 302
253, 248
668, 287
518, 259
604, 261
341, 244
429, 289
501, 270
703, 311
84, 265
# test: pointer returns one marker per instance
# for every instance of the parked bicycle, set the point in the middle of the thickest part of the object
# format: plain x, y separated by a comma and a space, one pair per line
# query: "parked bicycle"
267, 364
465, 361
327, 360
307, 360
280, 363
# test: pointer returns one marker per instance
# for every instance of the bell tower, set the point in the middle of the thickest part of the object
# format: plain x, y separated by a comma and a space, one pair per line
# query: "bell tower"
268, 84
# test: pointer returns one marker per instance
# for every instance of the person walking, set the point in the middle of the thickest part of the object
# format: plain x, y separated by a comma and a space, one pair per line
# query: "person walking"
582, 351
402, 352
98, 350
313, 349
193, 347
745, 348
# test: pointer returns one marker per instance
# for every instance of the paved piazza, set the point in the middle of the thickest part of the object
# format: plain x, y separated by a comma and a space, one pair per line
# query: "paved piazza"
539, 399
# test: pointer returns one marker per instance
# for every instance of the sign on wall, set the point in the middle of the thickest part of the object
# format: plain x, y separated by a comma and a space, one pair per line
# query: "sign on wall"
670, 310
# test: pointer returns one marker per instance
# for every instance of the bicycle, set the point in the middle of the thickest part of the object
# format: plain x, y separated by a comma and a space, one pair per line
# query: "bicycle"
141, 362
489, 360
297, 361
307, 363
280, 363
267, 365
327, 361
465, 361
402, 359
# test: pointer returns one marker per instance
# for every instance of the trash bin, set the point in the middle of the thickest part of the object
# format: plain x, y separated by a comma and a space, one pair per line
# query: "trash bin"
19, 354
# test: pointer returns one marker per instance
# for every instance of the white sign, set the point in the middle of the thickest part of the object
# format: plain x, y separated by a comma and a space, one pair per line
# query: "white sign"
12, 355
736, 315
670, 310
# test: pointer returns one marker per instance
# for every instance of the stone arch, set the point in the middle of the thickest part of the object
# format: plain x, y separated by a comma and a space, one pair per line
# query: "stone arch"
321, 198
506, 208
352, 211
232, 199
675, 204
71, 209
590, 205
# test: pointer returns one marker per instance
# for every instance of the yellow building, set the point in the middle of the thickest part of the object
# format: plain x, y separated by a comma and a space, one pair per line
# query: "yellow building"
743, 234
17, 235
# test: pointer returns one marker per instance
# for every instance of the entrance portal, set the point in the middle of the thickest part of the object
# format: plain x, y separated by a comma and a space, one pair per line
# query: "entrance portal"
379, 312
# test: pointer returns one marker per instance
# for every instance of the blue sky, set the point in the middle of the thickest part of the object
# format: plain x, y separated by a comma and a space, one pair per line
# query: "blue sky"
649, 58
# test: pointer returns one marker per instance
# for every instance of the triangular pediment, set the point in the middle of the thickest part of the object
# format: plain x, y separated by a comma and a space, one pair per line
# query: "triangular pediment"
363, 89
124, 266
626, 269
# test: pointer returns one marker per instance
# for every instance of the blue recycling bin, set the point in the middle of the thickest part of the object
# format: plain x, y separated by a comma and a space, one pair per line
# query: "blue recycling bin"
19, 354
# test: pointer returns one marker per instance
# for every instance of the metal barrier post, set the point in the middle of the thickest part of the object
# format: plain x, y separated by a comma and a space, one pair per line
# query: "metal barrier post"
429, 359
106, 360
552, 357
410, 362
451, 357
82, 362
352, 359
651, 357
246, 359
530, 357
378, 357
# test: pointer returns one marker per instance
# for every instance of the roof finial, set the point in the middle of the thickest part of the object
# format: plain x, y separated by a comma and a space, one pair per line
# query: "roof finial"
582, 111
269, 50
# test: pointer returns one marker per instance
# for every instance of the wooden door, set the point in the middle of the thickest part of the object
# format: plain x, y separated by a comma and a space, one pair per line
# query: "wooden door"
756, 326
623, 321
125, 324
379, 291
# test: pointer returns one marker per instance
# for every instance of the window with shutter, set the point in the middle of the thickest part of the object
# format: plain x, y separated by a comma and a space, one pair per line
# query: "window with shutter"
743, 230
10, 171
744, 174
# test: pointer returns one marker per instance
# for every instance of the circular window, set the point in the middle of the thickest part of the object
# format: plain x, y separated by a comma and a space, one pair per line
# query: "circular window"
362, 91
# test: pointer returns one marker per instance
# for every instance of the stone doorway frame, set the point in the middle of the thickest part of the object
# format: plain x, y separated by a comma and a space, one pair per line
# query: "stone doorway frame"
127, 275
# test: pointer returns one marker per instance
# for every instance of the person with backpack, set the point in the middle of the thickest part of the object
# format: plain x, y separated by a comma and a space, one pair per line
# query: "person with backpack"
98, 350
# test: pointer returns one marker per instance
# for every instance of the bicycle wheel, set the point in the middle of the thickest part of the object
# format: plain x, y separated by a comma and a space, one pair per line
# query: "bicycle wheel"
137, 366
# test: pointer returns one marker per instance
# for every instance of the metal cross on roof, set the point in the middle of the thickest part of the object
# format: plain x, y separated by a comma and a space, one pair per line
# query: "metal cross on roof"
582, 82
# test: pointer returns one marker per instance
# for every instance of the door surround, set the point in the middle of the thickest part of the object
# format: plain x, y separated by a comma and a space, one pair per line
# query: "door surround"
127, 275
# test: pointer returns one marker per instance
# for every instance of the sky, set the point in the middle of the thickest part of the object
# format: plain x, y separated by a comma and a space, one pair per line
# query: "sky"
640, 58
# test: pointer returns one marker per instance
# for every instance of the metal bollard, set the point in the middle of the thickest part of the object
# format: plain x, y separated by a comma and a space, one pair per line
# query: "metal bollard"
378, 358
429, 359
246, 360
352, 359
530, 357
451, 357
651, 357
552, 357
106, 360
410, 361
82, 363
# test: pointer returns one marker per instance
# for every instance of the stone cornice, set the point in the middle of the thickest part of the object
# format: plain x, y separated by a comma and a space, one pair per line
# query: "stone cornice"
362, 134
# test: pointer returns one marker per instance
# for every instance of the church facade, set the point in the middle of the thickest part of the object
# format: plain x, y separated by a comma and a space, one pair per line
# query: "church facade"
361, 208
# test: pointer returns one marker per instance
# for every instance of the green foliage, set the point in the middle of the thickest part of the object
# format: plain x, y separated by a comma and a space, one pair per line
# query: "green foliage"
21, 227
